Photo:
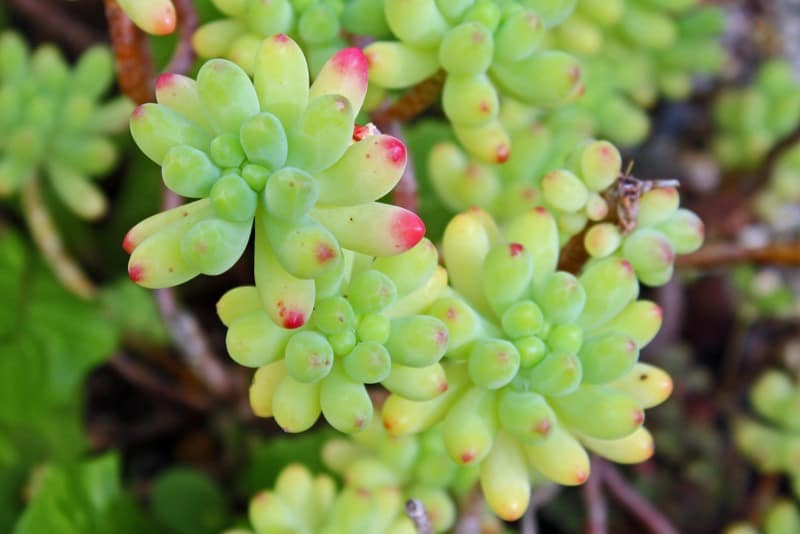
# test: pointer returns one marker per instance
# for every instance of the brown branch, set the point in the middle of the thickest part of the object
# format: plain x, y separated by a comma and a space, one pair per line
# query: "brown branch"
141, 377
723, 254
416, 512
135, 71
183, 57
762, 497
653, 520
595, 502
764, 172
413, 102
192, 344
55, 22
470, 514
540, 497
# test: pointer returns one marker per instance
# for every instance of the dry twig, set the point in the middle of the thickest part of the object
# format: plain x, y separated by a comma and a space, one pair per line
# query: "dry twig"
54, 21
647, 514
721, 255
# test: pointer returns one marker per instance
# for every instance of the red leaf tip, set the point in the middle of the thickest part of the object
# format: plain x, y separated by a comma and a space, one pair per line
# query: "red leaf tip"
164, 81
515, 249
135, 272
407, 230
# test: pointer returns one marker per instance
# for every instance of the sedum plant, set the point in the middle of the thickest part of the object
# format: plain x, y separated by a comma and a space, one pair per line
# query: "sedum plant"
54, 128
314, 24
485, 49
365, 329
272, 154
541, 364
752, 118
771, 441
654, 49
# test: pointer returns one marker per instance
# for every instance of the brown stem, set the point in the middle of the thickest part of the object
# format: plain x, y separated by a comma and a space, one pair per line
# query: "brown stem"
471, 513
416, 512
762, 497
140, 376
55, 22
595, 502
413, 102
540, 497
183, 57
723, 254
135, 71
192, 344
653, 520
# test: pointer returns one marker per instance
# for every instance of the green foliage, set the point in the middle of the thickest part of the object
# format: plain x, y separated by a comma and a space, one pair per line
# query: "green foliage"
188, 501
80, 497
52, 123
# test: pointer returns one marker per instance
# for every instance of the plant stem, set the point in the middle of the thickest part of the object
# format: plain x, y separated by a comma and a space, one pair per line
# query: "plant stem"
469, 517
135, 71
632, 500
595, 502
183, 57
192, 344
414, 101
416, 512
54, 21
140, 376
45, 235
721, 255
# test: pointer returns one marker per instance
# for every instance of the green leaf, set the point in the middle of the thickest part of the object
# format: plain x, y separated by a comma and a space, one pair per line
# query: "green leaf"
134, 311
187, 501
81, 498
53, 341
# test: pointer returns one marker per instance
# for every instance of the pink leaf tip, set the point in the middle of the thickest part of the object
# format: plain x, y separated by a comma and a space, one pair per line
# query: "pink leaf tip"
136, 272
395, 150
407, 230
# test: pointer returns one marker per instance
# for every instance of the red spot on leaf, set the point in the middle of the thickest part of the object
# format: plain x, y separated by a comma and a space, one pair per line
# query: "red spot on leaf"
443, 387
293, 319
360, 132
467, 456
395, 150
502, 153
626, 265
407, 230
325, 253
515, 249
281, 38
543, 427
138, 113
581, 476
541, 210
136, 272
441, 337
